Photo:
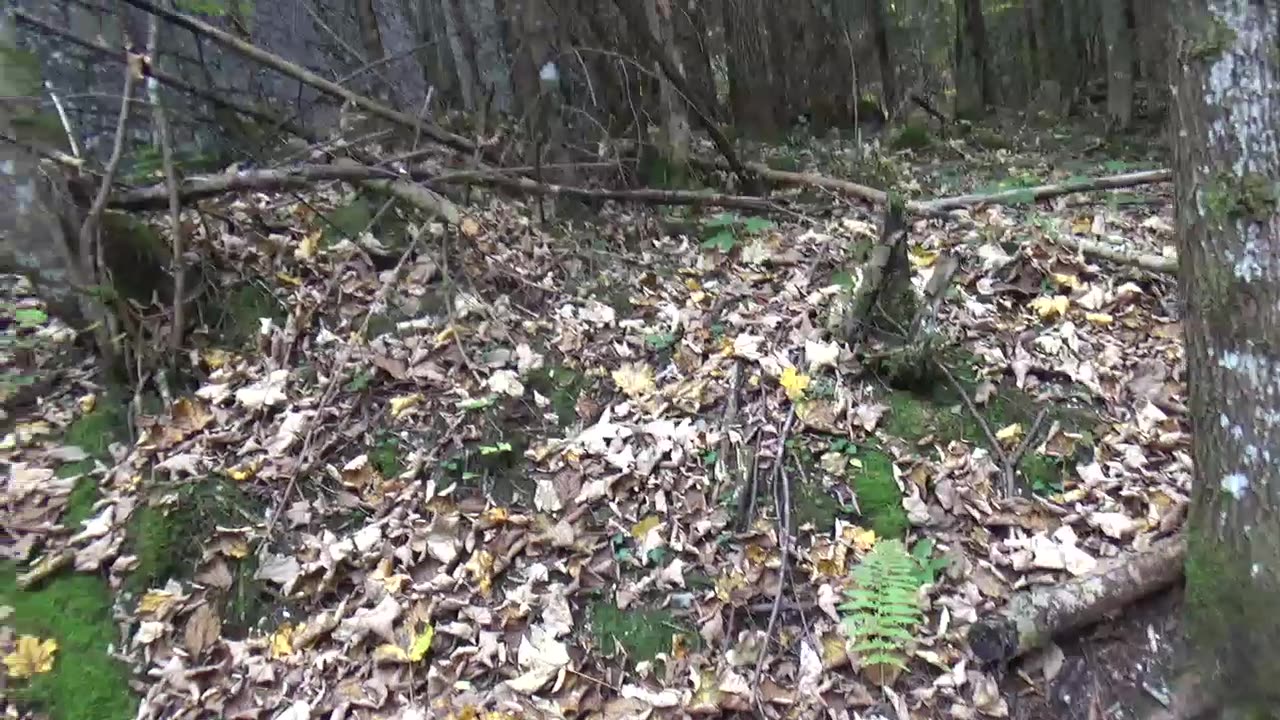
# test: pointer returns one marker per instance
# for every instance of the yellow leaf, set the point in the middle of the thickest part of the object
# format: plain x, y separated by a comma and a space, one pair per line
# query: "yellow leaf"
32, 656
642, 528
1099, 318
794, 383
922, 258
1050, 307
470, 227
480, 567
1009, 432
237, 548
281, 641
1081, 225
421, 644
241, 473
1066, 280
215, 358
403, 402
863, 539
390, 653
634, 379
154, 601
307, 248
86, 403
288, 279
445, 335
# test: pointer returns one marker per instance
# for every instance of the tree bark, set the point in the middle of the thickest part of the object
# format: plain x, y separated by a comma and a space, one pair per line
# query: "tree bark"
880, 36
972, 74
674, 140
1117, 26
751, 78
1227, 161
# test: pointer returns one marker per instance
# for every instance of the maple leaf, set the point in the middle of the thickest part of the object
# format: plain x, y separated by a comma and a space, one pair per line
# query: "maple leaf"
794, 383
32, 656
634, 379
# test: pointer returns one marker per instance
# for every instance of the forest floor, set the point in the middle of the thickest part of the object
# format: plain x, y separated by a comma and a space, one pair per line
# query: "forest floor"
510, 488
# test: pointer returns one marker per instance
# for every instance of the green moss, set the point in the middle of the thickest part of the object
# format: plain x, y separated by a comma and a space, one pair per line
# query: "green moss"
878, 496
989, 139
1231, 620
909, 417
813, 505
562, 385
1042, 473
75, 610
94, 431
1211, 43
641, 633
167, 533
385, 456
1230, 197
911, 137
83, 495
240, 312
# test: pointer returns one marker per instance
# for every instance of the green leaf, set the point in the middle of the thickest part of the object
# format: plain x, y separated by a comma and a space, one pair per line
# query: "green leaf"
421, 644
722, 241
30, 317
721, 220
755, 224
843, 279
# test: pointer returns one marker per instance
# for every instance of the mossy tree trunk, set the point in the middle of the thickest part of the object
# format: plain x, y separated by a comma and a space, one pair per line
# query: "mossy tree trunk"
1227, 162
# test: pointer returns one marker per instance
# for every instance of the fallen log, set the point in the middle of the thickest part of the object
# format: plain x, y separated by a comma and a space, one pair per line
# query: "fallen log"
1034, 616
196, 187
1042, 192
1145, 261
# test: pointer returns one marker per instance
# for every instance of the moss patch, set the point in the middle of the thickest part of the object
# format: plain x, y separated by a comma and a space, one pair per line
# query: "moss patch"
385, 456
75, 610
240, 312
562, 385
878, 496
911, 137
167, 533
813, 505
639, 633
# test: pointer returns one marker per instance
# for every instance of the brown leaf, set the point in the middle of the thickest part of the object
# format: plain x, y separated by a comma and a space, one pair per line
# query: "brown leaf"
202, 630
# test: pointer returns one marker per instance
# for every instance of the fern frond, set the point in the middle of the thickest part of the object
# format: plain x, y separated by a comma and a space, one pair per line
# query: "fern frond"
881, 612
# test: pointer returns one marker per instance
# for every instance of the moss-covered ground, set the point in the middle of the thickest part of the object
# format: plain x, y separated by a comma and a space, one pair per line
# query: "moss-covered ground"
75, 610
640, 633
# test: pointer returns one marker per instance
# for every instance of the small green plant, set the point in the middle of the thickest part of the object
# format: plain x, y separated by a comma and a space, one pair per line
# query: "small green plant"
927, 566
728, 229
881, 613
844, 446
660, 341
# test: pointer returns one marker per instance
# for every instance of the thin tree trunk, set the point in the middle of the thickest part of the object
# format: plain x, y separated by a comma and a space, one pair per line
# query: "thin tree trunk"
675, 121
1117, 18
751, 77
1227, 161
880, 36
974, 88
463, 53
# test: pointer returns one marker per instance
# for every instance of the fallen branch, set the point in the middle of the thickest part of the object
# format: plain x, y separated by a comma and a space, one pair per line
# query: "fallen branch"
1034, 616
782, 495
204, 186
1042, 192
1145, 261
279, 64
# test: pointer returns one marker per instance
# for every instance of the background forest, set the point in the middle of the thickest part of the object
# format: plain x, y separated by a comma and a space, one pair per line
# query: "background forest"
638, 358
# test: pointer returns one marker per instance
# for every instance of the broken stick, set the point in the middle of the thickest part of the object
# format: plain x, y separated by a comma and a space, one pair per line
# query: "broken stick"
1034, 616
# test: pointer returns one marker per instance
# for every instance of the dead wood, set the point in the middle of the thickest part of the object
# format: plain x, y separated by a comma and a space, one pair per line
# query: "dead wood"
1144, 261
204, 186
1042, 192
1034, 616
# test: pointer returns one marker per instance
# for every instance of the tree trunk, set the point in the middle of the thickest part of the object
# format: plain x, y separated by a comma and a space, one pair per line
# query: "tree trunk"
492, 68
1227, 161
880, 36
1117, 26
751, 91
461, 44
973, 84
674, 140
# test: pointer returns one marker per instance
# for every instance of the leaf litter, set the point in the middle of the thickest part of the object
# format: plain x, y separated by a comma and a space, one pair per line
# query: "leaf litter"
559, 421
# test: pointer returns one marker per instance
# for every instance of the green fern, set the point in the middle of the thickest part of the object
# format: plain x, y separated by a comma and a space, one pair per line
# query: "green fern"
882, 611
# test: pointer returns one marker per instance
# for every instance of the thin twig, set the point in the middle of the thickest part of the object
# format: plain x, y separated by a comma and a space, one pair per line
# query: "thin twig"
66, 124
171, 180
781, 485
330, 389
